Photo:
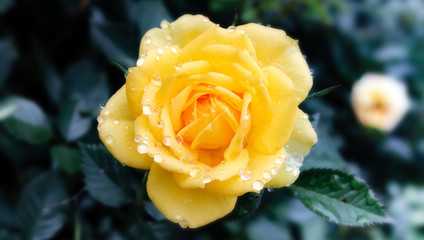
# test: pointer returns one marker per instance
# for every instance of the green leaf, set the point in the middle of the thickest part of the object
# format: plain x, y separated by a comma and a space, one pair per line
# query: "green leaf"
39, 214
28, 122
107, 180
68, 159
6, 109
263, 228
72, 124
153, 211
322, 92
339, 197
245, 205
88, 84
118, 66
107, 36
7, 50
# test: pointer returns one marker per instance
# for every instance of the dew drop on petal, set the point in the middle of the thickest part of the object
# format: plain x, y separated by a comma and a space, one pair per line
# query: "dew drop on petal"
116, 121
140, 62
267, 175
142, 148
123, 164
270, 189
195, 172
107, 111
244, 143
245, 174
183, 224
275, 170
109, 139
178, 217
174, 50
148, 40
137, 139
158, 158
206, 179
305, 116
161, 123
179, 139
178, 66
289, 168
169, 37
258, 185
102, 105
232, 29
146, 110
100, 119
167, 141
160, 51
278, 161
296, 172
164, 24
247, 117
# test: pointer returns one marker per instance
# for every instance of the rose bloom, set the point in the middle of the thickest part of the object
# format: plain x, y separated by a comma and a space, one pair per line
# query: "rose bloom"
379, 101
213, 113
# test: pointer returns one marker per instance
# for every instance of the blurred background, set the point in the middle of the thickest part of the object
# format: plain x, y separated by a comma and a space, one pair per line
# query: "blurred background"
56, 73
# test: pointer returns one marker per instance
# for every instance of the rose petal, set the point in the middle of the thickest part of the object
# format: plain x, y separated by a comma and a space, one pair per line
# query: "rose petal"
303, 137
116, 130
284, 53
188, 207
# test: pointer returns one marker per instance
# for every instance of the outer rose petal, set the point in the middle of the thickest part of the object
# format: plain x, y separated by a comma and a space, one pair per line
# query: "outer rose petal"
283, 52
188, 207
117, 132
301, 140
180, 32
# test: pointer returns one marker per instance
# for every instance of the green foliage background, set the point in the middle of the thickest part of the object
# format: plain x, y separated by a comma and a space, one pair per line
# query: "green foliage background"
56, 72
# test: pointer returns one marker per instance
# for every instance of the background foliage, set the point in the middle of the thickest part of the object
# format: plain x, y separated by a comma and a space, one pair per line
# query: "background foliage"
56, 72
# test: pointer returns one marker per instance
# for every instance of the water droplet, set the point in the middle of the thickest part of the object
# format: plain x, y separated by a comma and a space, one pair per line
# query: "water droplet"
146, 110
169, 37
244, 143
183, 224
221, 172
242, 31
137, 139
109, 139
123, 164
100, 119
205, 19
116, 121
206, 179
158, 158
275, 170
305, 116
245, 174
289, 168
174, 50
106, 111
161, 123
278, 161
247, 117
267, 175
270, 189
179, 139
164, 24
258, 185
178, 66
142, 148
268, 25
157, 58
140, 62
286, 146
178, 217
195, 172
99, 128
232, 29
160, 51
167, 141
102, 105
148, 40
296, 172
156, 83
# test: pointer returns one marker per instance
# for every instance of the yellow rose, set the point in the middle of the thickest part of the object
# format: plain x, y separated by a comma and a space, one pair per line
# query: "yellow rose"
379, 101
213, 113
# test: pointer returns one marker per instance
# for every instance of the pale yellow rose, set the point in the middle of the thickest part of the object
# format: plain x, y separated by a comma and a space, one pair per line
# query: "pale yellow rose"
380, 101
213, 113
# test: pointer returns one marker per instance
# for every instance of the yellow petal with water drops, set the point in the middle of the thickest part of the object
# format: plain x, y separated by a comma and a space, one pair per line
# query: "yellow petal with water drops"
157, 66
189, 207
274, 136
282, 52
260, 169
116, 130
217, 36
301, 140
177, 107
180, 32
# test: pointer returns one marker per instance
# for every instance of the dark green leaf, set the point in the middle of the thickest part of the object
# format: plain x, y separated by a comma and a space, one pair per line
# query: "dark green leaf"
245, 205
118, 66
68, 159
149, 14
263, 228
7, 51
153, 211
38, 211
86, 83
106, 179
6, 109
107, 36
339, 197
322, 92
28, 122
72, 124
